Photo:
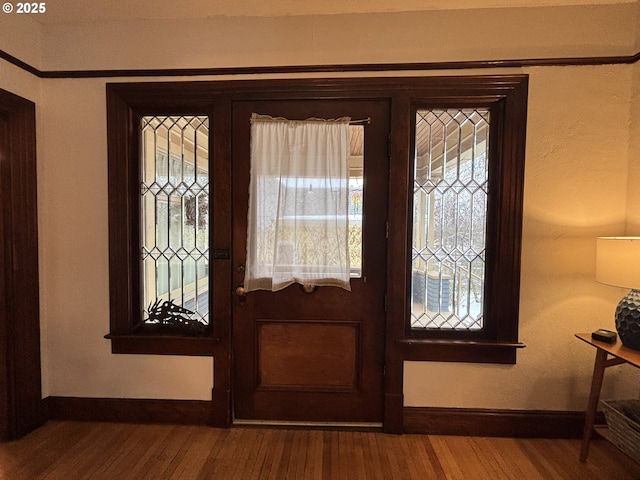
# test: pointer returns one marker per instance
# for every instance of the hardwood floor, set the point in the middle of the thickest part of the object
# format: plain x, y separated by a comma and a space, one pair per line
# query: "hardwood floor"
83, 450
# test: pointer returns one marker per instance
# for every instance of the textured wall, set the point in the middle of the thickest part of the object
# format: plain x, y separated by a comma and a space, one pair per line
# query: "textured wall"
366, 38
633, 207
21, 36
67, 10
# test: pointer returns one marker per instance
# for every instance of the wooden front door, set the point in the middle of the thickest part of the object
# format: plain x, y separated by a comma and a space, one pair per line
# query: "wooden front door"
319, 356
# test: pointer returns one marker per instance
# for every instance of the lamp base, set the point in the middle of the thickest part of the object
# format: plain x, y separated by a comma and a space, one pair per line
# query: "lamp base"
628, 320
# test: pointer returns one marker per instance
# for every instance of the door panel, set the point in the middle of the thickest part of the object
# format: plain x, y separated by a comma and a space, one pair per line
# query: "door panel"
302, 355
313, 356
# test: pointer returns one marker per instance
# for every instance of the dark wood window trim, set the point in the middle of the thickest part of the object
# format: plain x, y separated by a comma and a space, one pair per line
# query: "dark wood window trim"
498, 341
505, 94
123, 120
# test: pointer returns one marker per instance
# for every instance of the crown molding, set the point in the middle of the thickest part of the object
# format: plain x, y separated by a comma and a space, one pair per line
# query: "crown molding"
336, 68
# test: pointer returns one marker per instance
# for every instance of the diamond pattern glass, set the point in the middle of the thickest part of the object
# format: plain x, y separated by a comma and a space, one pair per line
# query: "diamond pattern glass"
174, 201
449, 219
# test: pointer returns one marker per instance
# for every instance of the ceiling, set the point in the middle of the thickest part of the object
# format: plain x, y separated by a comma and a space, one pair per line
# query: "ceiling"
75, 11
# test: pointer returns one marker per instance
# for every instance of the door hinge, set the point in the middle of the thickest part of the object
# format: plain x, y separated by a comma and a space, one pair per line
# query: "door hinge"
389, 146
386, 230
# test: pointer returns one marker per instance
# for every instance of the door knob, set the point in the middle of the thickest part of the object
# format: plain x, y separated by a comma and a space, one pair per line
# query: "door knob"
242, 295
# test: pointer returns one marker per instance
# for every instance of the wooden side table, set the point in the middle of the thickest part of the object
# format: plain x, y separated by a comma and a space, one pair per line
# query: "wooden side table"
619, 355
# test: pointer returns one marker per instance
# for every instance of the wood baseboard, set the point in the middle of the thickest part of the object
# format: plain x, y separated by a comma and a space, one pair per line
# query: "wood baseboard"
419, 420
495, 423
130, 410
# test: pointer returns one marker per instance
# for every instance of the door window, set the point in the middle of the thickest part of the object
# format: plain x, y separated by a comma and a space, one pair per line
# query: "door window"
298, 218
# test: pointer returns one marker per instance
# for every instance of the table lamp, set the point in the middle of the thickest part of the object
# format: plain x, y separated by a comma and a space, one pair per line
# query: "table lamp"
618, 264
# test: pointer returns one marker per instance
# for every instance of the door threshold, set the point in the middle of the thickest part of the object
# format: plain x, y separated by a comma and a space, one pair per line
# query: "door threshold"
369, 426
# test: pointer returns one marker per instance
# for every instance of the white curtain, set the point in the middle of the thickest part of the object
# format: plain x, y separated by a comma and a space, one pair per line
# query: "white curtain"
298, 195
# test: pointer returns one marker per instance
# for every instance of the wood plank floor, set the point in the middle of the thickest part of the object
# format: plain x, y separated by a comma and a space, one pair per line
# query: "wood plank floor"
79, 450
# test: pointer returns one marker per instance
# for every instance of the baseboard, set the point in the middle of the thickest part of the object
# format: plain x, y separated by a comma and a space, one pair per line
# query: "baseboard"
495, 423
420, 420
130, 410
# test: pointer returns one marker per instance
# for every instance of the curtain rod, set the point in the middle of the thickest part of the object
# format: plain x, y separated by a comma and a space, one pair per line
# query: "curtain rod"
259, 117
362, 121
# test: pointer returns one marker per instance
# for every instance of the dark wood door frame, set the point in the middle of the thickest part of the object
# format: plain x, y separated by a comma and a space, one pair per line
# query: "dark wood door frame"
21, 406
505, 94
348, 386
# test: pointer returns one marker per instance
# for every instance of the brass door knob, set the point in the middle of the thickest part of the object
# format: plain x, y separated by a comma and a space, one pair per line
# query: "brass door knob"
240, 291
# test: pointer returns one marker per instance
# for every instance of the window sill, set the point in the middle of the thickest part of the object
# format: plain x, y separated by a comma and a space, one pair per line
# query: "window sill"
484, 351
162, 344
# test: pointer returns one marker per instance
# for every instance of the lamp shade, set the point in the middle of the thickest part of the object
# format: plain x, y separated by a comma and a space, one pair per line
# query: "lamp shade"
618, 261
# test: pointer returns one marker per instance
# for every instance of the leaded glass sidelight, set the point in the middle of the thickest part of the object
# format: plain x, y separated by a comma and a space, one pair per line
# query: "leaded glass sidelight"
175, 202
449, 219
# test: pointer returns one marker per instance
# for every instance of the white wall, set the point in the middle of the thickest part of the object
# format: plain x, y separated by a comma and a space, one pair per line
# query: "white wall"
575, 185
328, 39
21, 36
636, 48
633, 207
